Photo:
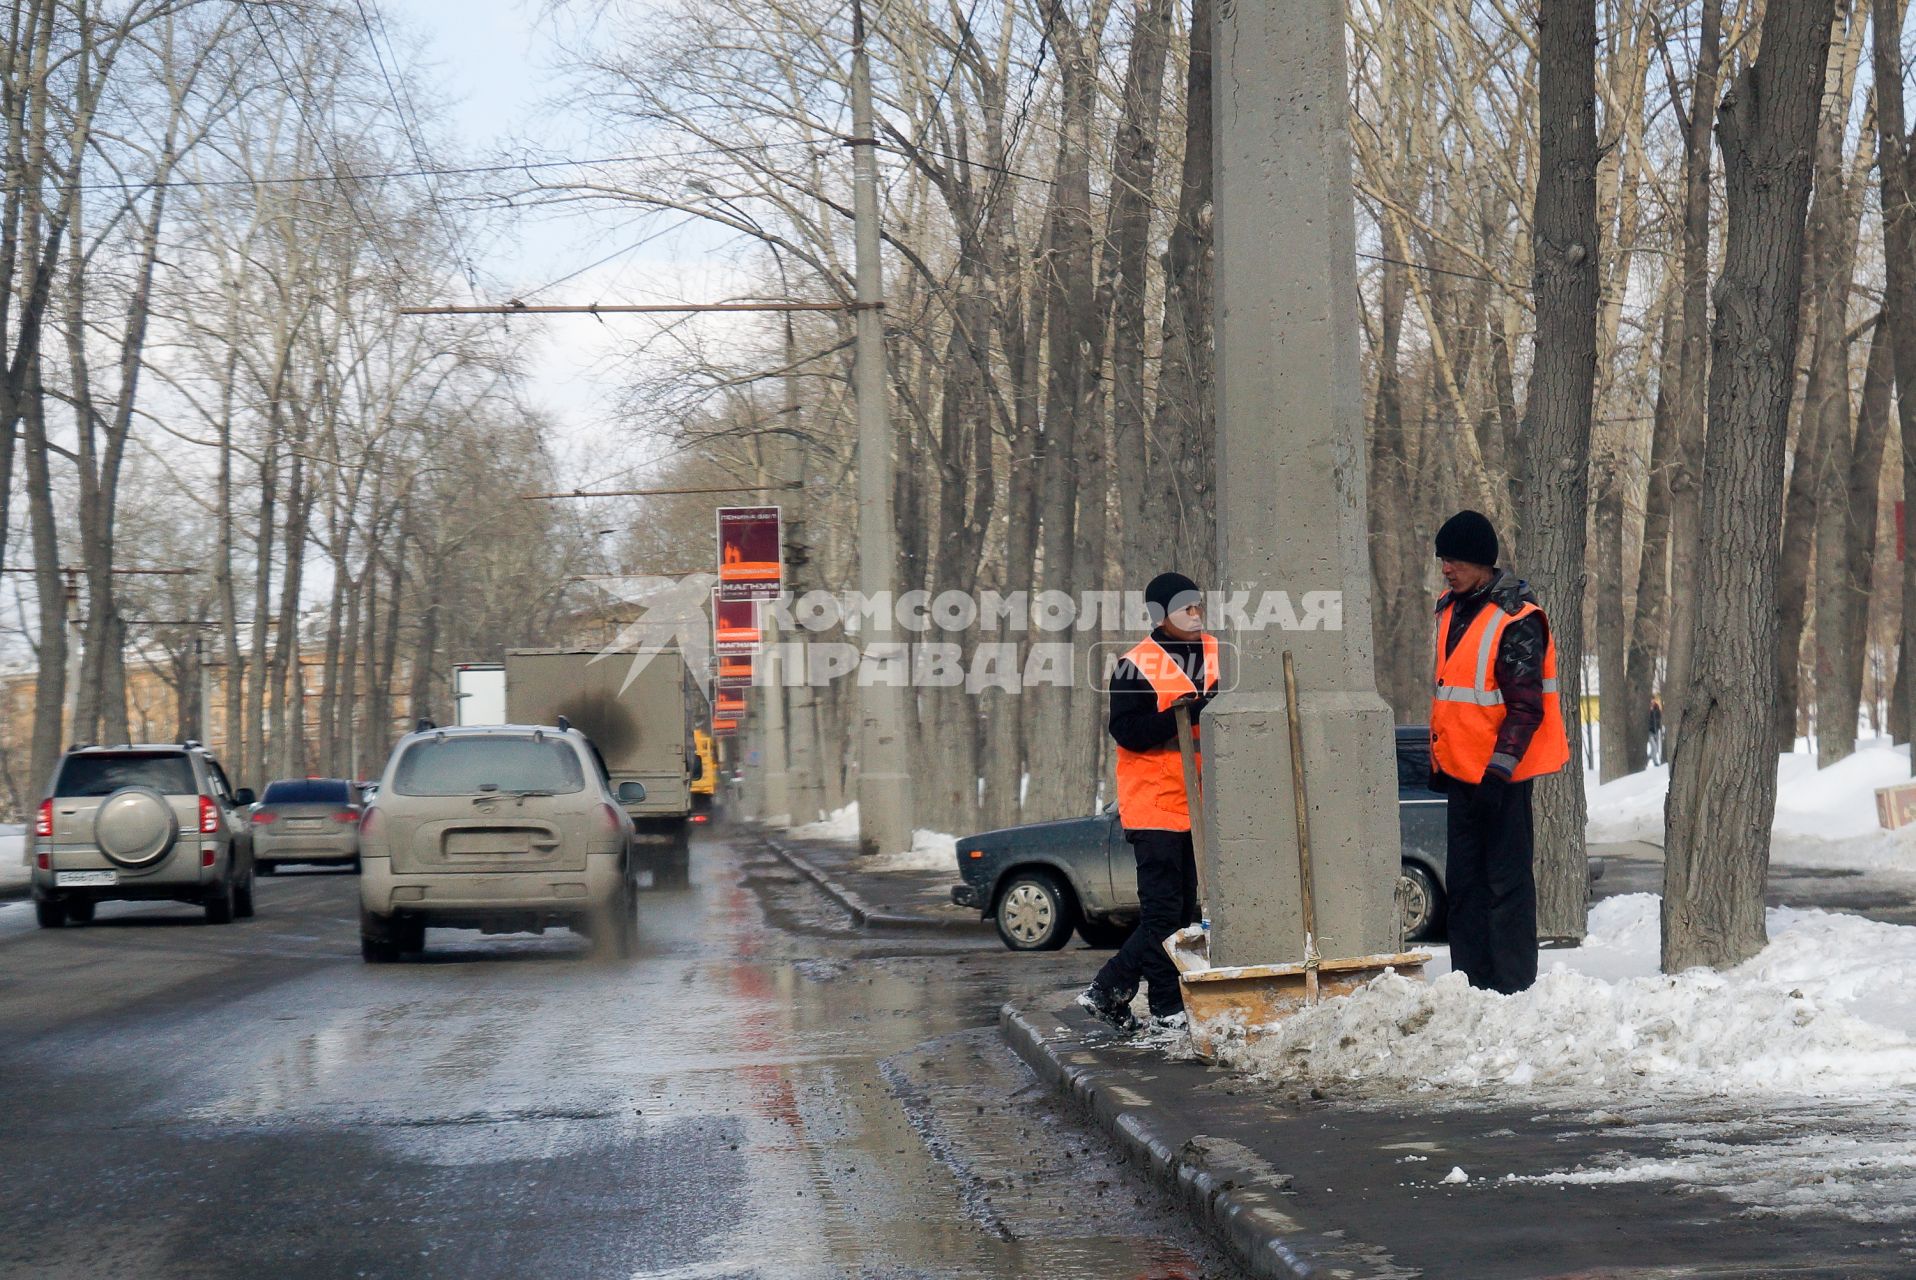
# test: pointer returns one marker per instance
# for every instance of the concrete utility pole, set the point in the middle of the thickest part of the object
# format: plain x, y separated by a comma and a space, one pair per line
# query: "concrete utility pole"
1291, 501
884, 789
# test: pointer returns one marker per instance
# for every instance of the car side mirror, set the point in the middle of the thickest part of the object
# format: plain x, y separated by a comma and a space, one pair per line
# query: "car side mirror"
244, 796
631, 793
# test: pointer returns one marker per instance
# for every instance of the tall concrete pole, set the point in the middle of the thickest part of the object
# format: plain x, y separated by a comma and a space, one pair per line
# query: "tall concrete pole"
884, 788
1291, 503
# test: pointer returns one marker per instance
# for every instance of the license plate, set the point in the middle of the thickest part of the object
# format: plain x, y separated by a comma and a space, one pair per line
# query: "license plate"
84, 879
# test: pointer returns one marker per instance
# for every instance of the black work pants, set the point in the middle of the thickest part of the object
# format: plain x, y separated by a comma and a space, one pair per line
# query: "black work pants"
1167, 901
1492, 889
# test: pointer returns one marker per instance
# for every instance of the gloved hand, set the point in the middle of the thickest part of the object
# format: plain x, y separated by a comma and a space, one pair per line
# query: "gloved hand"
1487, 801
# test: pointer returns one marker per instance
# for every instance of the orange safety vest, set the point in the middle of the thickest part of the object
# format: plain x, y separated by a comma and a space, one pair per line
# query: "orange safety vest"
1467, 708
1151, 783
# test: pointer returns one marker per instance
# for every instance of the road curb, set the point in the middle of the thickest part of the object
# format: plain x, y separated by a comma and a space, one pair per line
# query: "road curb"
1236, 1202
863, 914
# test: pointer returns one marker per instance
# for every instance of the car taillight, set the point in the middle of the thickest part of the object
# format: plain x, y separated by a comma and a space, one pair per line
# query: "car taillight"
209, 818
207, 855
45, 862
346, 815
700, 817
43, 825
263, 816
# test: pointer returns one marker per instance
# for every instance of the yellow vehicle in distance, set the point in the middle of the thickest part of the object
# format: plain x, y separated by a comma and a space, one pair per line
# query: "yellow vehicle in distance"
705, 785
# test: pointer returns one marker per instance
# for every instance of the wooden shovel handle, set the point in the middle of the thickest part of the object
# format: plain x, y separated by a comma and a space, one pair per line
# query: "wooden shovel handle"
1193, 792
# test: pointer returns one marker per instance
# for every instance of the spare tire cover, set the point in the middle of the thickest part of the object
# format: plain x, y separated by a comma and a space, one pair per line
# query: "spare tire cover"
135, 826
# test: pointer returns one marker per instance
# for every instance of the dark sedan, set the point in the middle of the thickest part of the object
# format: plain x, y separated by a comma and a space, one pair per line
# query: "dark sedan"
1041, 882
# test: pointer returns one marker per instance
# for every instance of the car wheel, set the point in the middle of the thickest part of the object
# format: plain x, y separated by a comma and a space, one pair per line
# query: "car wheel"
1421, 903
1106, 935
1035, 912
50, 914
243, 899
377, 941
79, 911
219, 907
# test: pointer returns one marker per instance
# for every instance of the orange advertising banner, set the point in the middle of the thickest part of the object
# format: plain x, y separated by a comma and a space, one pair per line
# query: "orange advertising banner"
750, 566
734, 626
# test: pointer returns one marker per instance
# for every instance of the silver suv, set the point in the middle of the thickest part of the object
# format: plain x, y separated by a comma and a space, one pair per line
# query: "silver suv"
501, 828
142, 823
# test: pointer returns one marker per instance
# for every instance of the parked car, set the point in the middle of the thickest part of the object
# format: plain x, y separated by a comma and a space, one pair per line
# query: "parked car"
1041, 882
306, 820
500, 828
141, 822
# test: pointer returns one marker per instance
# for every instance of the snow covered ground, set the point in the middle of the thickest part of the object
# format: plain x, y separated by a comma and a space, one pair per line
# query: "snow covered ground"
930, 850
1788, 1082
1824, 818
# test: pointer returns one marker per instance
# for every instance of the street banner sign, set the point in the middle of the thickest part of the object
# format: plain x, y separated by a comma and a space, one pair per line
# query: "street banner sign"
729, 705
734, 626
724, 728
735, 673
750, 566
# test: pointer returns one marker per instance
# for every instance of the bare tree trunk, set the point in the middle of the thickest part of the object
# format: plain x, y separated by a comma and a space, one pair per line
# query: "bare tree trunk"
1692, 409
1613, 686
1556, 448
1122, 282
1899, 292
49, 687
1842, 629
1723, 773
1183, 443
1062, 763
1865, 487
1647, 637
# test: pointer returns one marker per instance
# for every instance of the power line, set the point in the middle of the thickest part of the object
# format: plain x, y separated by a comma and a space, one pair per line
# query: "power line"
406, 126
431, 171
298, 99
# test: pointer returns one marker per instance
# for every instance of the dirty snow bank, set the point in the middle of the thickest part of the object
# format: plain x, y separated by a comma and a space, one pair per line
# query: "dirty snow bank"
1824, 818
842, 824
1828, 1008
930, 850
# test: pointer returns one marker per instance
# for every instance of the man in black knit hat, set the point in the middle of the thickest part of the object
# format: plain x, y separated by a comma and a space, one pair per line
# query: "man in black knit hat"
1496, 722
1176, 665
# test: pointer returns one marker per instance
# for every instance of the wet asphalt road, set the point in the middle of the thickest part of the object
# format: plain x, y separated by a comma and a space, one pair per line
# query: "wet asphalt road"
760, 1093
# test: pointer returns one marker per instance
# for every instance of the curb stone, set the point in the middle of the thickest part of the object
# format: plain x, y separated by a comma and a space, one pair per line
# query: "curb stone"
1230, 1190
863, 914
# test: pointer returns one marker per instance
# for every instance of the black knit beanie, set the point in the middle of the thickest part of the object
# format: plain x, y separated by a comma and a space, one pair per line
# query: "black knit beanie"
1169, 591
1467, 536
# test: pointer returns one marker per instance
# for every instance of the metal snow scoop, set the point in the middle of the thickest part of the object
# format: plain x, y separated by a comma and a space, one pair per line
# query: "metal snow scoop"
1254, 996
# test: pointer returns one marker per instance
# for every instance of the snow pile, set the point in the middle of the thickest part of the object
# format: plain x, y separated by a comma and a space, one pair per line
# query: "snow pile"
930, 851
1828, 1008
841, 825
1824, 818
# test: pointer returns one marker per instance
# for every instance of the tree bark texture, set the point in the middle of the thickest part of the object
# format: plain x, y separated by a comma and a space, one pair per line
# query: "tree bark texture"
1553, 500
1723, 773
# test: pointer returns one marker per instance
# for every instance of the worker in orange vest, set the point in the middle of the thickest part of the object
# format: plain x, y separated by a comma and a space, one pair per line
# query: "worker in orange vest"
1496, 722
1176, 665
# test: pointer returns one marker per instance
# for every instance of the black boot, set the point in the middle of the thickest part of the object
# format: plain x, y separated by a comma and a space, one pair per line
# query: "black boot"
1108, 1007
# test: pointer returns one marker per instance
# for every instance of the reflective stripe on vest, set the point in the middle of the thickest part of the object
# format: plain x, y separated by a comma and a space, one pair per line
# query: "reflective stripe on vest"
1151, 783
1465, 719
